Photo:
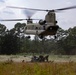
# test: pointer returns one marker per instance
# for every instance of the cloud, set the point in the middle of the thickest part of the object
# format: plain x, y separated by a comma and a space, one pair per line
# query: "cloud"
8, 12
2, 1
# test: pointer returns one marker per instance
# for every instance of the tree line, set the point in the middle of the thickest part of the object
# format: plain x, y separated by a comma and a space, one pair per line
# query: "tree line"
14, 41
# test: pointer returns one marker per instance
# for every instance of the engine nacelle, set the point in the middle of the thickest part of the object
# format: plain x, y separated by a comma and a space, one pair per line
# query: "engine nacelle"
42, 22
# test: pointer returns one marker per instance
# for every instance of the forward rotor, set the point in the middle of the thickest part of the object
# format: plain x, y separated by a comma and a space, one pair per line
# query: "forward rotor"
54, 10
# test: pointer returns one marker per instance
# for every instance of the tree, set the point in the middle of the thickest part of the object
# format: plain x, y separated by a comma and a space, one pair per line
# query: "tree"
10, 44
61, 34
2, 30
20, 29
69, 43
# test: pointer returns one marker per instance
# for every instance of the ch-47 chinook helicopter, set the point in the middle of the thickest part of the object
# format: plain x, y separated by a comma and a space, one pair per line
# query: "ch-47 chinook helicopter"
44, 27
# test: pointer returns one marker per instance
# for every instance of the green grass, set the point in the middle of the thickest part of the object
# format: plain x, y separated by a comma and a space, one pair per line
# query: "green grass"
47, 68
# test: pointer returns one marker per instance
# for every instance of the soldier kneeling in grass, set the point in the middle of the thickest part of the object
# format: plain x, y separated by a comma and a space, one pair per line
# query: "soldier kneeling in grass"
46, 58
41, 58
34, 59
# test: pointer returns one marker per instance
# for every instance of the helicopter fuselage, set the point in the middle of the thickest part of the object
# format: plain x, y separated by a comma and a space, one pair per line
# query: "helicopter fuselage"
41, 30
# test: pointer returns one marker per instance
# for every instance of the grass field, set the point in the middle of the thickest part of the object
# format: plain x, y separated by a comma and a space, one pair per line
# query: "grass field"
58, 65
26, 58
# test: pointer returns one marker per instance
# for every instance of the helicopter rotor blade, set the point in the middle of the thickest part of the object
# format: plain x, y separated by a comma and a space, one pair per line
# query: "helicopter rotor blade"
55, 10
17, 19
66, 8
27, 8
12, 19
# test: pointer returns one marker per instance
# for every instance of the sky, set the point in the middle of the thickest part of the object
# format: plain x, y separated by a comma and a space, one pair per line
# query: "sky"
66, 19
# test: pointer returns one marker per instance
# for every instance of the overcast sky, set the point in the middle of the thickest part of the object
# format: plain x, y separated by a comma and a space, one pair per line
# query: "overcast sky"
66, 19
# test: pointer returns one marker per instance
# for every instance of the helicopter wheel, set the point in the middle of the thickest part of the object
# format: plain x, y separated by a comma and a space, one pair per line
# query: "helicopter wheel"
41, 36
55, 36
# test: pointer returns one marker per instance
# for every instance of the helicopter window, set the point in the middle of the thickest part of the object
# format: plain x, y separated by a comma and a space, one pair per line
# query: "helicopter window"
36, 28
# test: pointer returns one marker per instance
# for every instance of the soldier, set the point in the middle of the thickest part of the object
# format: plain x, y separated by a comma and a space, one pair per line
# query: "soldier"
41, 58
34, 59
46, 57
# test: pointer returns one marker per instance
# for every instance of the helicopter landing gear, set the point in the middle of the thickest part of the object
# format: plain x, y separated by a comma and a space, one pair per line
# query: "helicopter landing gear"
55, 37
28, 37
41, 36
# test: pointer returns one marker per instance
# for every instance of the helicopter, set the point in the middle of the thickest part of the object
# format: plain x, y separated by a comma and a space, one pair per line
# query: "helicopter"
43, 27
